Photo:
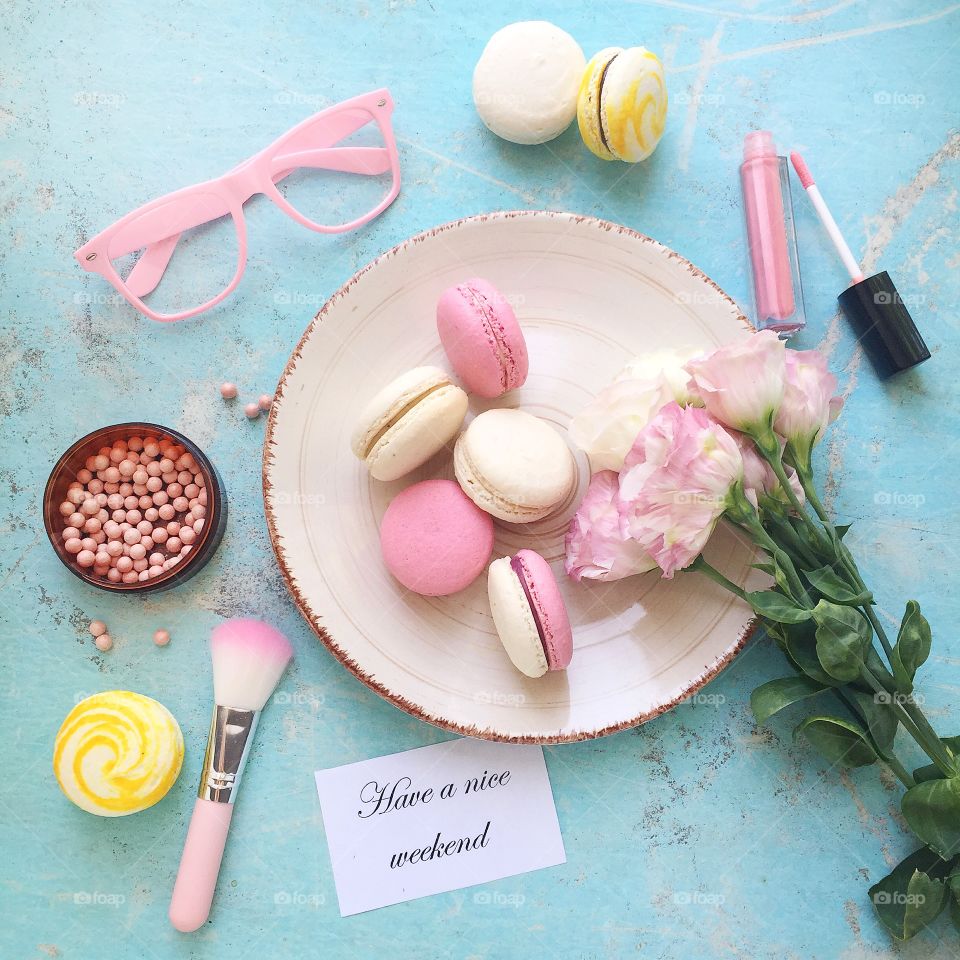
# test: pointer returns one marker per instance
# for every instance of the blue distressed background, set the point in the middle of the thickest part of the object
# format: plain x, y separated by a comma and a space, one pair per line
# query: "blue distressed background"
698, 835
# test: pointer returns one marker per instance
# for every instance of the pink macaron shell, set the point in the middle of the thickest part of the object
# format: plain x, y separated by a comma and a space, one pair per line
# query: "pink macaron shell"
482, 338
549, 610
435, 540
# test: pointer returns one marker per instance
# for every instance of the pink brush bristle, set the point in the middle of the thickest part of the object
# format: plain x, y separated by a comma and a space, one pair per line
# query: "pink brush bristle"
249, 657
803, 171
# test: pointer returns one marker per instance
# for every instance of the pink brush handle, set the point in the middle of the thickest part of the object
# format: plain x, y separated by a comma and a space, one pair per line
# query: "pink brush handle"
200, 864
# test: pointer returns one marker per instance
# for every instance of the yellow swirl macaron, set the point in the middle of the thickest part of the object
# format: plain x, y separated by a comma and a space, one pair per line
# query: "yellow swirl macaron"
622, 104
117, 753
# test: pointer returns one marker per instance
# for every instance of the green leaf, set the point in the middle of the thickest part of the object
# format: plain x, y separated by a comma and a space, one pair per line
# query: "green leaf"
833, 587
841, 529
912, 647
878, 714
843, 635
930, 772
801, 651
767, 699
766, 568
840, 741
775, 606
932, 809
955, 912
912, 895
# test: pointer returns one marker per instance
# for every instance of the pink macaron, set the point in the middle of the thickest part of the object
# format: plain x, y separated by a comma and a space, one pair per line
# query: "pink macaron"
435, 539
482, 338
529, 613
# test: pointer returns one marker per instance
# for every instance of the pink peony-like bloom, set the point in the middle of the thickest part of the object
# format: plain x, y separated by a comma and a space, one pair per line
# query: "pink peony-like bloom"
676, 484
596, 549
606, 428
809, 402
742, 385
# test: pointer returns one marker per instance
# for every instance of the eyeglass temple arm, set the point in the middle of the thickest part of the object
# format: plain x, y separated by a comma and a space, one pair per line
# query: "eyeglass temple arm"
370, 161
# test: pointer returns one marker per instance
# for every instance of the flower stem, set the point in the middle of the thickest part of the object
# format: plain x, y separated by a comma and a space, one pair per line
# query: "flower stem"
889, 758
716, 576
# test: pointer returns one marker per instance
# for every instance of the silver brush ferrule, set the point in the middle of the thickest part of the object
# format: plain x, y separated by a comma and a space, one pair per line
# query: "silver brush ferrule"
231, 733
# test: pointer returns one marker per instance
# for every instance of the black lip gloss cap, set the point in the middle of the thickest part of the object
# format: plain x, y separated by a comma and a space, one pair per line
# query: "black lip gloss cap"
883, 325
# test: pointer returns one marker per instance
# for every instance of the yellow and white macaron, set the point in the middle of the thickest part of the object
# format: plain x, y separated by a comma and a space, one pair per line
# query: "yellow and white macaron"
622, 104
117, 753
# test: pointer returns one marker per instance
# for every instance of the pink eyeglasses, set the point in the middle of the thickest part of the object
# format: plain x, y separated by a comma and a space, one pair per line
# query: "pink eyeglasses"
171, 257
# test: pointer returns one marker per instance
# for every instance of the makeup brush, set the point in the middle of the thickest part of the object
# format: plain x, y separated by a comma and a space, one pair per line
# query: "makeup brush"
873, 305
249, 658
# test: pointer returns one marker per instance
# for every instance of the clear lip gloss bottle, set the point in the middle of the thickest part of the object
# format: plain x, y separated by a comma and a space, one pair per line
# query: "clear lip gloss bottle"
771, 236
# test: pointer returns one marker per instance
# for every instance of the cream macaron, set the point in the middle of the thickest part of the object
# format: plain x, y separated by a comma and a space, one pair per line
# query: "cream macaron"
514, 465
408, 421
622, 104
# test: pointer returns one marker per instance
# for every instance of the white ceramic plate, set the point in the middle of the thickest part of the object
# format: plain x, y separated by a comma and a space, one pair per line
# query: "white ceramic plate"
589, 295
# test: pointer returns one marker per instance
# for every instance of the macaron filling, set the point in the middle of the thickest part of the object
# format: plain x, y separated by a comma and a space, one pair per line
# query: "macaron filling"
495, 333
518, 567
599, 105
395, 418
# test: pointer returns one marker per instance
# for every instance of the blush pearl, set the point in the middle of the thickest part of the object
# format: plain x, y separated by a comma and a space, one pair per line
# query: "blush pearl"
252, 411
265, 402
103, 642
161, 638
228, 391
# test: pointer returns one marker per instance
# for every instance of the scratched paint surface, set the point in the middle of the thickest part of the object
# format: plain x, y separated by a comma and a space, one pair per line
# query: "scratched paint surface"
696, 835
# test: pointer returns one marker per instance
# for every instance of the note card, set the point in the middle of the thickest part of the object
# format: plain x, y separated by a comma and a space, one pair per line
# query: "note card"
437, 818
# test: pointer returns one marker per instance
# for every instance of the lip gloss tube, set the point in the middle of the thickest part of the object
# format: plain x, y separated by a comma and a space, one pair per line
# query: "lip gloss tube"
771, 236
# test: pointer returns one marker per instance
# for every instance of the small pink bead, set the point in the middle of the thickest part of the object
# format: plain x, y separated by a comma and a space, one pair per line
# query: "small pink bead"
66, 508
150, 446
175, 489
184, 477
101, 462
173, 528
104, 642
139, 489
188, 519
102, 560
198, 525
181, 504
153, 469
134, 517
144, 459
170, 477
166, 465
114, 575
228, 390
191, 490
188, 535
112, 529
155, 570
103, 516
174, 544
140, 475
145, 502
124, 564
125, 489
92, 525
160, 535
185, 549
76, 519
76, 496
161, 637
73, 545
135, 444
153, 484
115, 549
166, 511
131, 502
147, 542
86, 558
114, 501
111, 475
89, 544
143, 576
265, 402
131, 576
95, 486
90, 507
84, 476
200, 480
70, 533
101, 500
117, 454
141, 564
132, 536
127, 468
111, 487
99, 537
252, 411
151, 514
145, 527
137, 550
172, 562
156, 559
161, 497
199, 511
119, 515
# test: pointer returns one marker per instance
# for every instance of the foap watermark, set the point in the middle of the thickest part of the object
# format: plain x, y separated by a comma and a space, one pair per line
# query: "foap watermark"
911, 300
698, 898
297, 898
97, 98
699, 297
702, 699
287, 298
287, 498
891, 897
496, 898
700, 99
97, 299
97, 898
298, 698
288, 97
894, 498
897, 98
500, 698
907, 699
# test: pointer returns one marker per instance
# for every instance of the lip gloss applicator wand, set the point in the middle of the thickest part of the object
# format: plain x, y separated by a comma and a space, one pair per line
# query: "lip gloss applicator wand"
873, 305
249, 658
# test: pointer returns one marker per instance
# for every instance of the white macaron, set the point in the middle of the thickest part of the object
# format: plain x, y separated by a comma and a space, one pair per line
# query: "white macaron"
526, 81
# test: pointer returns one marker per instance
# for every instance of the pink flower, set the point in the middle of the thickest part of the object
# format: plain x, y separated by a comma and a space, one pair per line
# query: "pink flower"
742, 385
596, 548
758, 475
809, 402
606, 428
676, 484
